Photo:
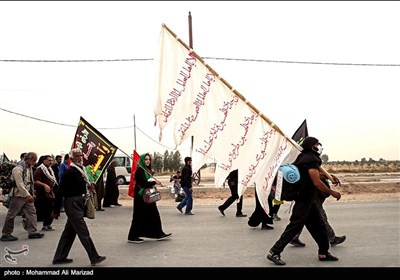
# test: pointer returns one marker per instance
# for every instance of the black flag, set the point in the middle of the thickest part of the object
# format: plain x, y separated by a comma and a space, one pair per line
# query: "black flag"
301, 133
97, 150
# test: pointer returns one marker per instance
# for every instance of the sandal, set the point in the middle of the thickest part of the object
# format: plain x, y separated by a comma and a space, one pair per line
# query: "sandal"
275, 258
328, 257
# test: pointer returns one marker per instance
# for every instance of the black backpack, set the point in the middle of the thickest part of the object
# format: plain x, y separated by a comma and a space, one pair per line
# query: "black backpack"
7, 182
292, 188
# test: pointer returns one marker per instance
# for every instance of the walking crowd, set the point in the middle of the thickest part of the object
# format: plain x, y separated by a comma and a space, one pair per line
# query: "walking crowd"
45, 189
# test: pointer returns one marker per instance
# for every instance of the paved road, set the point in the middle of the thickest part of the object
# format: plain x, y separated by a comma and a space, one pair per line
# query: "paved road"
208, 240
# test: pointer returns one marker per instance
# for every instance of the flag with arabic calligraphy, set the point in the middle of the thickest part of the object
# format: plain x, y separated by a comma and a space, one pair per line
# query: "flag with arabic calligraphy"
197, 102
97, 150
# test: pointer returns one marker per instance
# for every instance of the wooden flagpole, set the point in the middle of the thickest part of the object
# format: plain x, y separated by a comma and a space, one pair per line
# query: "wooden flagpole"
227, 84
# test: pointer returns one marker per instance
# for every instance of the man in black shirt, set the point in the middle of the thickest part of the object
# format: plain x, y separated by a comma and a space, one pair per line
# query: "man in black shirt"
186, 183
73, 187
305, 210
233, 186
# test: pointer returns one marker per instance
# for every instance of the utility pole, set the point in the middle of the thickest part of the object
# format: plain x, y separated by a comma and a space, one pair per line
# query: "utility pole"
196, 175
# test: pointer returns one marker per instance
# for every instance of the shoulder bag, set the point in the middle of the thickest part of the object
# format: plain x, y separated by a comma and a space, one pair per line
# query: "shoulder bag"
151, 195
90, 205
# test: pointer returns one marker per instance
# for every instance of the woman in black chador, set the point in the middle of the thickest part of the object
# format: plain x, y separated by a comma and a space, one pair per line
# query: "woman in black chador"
146, 221
259, 216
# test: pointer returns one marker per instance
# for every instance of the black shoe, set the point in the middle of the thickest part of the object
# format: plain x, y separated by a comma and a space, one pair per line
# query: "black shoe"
275, 217
241, 215
297, 243
266, 227
136, 240
48, 228
100, 209
164, 236
117, 204
35, 235
62, 261
337, 240
275, 258
179, 209
221, 211
8, 238
98, 260
328, 257
189, 213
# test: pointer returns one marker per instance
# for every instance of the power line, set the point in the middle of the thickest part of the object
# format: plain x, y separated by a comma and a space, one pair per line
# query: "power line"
70, 125
29, 117
303, 62
209, 58
57, 123
75, 60
155, 141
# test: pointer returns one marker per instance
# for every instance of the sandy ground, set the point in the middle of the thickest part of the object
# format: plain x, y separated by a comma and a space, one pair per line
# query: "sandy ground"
359, 191
355, 187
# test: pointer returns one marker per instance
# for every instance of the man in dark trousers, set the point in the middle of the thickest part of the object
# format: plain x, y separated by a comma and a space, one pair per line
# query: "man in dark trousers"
233, 186
73, 187
305, 210
56, 170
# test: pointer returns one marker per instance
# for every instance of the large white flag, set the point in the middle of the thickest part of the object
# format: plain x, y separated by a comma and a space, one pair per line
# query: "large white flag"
258, 159
224, 125
183, 85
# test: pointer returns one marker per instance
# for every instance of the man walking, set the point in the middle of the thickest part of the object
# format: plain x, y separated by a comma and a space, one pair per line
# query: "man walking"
186, 183
21, 200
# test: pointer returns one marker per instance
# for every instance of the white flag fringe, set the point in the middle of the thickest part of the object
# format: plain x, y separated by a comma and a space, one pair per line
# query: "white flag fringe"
224, 125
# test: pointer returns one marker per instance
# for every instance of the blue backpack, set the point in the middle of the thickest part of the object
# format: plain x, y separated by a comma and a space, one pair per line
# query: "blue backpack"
288, 181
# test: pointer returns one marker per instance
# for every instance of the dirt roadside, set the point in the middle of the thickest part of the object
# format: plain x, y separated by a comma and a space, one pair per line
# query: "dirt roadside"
365, 191
355, 187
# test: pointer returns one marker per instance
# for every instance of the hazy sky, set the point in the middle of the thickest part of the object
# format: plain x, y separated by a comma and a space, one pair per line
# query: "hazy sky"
334, 63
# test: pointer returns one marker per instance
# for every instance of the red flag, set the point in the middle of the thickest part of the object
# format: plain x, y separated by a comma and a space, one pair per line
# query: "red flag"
132, 182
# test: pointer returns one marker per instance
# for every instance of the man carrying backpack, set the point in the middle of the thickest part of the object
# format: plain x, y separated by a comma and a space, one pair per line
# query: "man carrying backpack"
22, 200
305, 210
